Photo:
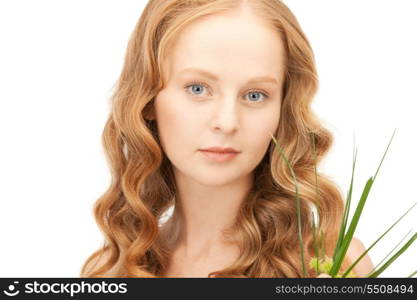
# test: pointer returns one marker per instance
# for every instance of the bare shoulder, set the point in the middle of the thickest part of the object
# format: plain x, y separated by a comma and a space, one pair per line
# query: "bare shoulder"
365, 265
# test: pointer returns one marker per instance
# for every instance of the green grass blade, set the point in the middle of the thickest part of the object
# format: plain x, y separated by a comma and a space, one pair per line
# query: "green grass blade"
394, 257
386, 150
340, 254
342, 229
349, 196
382, 260
315, 169
374, 243
322, 245
349, 235
412, 274
316, 250
300, 238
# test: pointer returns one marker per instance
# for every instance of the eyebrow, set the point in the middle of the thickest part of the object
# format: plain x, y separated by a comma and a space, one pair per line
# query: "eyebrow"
215, 78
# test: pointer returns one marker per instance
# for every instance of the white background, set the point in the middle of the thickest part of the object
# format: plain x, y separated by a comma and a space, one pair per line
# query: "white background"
60, 59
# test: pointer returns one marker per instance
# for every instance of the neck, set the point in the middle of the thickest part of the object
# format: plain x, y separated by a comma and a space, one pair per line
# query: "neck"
206, 212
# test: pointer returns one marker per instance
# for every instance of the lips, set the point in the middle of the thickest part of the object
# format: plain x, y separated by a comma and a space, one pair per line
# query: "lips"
221, 150
216, 156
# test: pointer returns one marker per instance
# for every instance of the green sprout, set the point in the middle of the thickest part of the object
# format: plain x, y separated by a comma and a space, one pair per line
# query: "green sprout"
331, 265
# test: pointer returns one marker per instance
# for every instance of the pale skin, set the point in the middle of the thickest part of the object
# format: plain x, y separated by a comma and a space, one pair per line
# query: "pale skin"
219, 112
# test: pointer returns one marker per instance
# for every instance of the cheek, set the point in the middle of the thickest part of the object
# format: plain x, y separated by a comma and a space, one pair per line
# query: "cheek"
175, 121
262, 128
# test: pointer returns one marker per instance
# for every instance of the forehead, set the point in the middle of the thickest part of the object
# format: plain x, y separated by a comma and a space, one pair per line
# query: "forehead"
228, 45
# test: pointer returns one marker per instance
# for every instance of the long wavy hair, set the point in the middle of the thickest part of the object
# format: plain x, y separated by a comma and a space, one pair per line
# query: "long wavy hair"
129, 214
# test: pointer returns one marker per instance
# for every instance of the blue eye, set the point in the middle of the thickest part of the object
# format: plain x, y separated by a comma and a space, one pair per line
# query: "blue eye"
197, 90
255, 98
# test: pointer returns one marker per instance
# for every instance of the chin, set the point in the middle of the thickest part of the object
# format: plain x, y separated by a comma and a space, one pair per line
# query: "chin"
214, 179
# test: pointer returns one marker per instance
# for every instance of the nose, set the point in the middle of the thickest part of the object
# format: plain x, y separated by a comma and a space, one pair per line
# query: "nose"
226, 116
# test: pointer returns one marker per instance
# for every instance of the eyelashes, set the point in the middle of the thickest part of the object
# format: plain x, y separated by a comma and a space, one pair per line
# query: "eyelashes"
264, 94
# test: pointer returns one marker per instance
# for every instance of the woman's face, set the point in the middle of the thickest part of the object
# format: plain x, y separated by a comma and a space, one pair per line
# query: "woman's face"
237, 106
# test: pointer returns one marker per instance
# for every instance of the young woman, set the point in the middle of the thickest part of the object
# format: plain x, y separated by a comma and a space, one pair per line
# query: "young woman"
205, 85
